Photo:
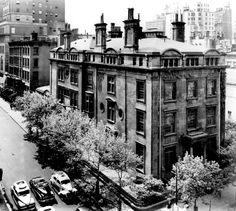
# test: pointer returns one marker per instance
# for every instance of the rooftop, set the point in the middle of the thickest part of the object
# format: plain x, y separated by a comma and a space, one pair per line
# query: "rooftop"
146, 45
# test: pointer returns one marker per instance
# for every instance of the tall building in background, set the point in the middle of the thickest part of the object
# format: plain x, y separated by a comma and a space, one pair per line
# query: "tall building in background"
50, 12
19, 18
203, 25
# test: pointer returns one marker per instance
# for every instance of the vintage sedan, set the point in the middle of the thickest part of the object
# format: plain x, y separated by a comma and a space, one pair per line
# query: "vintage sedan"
62, 185
42, 191
21, 196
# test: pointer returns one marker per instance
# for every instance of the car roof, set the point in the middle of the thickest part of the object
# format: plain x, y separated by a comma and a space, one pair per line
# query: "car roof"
21, 185
61, 175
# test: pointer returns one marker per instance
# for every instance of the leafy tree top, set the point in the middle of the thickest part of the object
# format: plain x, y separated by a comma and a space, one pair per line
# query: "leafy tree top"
195, 177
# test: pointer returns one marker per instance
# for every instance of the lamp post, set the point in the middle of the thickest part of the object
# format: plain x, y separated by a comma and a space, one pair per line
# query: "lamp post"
176, 184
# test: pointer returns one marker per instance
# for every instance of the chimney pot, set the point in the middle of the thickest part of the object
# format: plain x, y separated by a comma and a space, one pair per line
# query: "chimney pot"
130, 13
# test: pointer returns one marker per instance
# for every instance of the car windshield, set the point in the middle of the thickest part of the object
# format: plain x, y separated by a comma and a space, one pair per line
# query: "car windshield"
64, 182
25, 192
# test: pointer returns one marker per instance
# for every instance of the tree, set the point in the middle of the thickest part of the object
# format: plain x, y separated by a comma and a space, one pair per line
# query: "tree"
196, 177
227, 156
34, 107
96, 141
62, 135
122, 158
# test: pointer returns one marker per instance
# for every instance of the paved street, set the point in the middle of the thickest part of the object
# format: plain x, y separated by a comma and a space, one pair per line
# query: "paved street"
17, 157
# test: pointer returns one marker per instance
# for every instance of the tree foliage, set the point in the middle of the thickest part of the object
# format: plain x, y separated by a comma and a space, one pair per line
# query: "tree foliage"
35, 106
227, 156
122, 158
62, 135
196, 177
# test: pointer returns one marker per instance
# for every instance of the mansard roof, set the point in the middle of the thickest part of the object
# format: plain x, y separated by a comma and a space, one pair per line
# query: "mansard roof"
146, 45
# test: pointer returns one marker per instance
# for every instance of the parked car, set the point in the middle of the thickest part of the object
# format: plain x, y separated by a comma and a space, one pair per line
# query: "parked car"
47, 208
42, 191
21, 196
61, 183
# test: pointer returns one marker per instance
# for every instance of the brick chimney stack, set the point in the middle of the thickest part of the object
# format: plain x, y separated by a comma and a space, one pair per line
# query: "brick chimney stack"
101, 35
67, 36
178, 28
132, 31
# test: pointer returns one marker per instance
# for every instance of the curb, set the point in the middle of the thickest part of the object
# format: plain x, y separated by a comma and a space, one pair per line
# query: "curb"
5, 197
13, 118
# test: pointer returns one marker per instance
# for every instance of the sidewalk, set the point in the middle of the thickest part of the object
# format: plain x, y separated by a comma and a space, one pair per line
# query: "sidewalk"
15, 115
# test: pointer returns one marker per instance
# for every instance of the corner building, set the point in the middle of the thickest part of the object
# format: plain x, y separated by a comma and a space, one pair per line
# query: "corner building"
167, 97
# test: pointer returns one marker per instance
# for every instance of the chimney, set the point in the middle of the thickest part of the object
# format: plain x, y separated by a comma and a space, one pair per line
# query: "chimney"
67, 36
100, 29
132, 31
34, 36
178, 28
130, 13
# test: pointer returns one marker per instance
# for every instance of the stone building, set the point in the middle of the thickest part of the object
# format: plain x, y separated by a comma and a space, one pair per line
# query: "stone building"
167, 97
28, 62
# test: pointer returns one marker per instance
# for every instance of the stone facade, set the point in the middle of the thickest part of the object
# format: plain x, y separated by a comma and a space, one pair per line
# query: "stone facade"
166, 96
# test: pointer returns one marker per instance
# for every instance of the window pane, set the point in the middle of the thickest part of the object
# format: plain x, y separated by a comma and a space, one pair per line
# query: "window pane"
140, 118
170, 122
192, 118
140, 90
170, 91
192, 89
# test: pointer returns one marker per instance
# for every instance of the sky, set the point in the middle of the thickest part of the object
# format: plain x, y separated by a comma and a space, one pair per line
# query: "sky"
83, 14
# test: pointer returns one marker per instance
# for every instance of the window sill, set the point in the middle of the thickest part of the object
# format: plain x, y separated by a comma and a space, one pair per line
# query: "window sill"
111, 121
211, 96
141, 101
140, 133
210, 126
74, 84
170, 101
111, 93
61, 80
140, 170
191, 98
170, 134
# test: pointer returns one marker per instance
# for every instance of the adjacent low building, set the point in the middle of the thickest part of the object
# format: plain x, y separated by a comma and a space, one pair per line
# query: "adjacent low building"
167, 97
28, 62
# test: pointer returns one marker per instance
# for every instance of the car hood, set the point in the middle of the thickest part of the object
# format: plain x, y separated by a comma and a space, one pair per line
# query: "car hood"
67, 187
26, 199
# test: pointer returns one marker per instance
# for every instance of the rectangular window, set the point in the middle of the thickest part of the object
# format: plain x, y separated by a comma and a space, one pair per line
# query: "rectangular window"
60, 94
192, 118
61, 74
170, 158
111, 89
140, 61
121, 60
140, 122
73, 98
111, 114
74, 77
170, 122
134, 60
141, 90
35, 76
35, 51
90, 80
140, 151
170, 91
191, 89
211, 115
89, 105
36, 62
211, 87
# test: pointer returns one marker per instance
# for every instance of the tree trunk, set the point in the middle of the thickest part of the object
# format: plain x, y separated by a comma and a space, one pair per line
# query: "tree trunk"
119, 200
195, 208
